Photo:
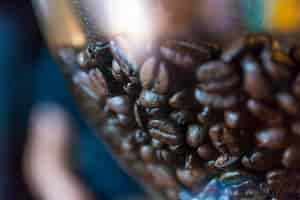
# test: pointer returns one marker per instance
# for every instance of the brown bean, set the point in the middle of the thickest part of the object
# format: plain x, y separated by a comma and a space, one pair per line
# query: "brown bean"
216, 101
151, 99
261, 160
296, 86
291, 157
165, 131
213, 71
216, 136
207, 152
264, 113
255, 83
195, 135
147, 153
119, 104
288, 103
272, 138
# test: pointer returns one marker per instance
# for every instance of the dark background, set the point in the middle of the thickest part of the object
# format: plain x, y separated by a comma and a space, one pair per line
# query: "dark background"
29, 76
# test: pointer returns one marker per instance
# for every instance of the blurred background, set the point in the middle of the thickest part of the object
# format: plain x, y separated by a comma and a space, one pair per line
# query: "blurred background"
29, 76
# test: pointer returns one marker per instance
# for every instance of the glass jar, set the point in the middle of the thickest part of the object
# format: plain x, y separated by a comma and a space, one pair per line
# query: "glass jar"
197, 99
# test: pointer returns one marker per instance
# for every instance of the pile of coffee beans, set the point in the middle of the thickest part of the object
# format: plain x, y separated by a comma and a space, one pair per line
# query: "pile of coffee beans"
181, 112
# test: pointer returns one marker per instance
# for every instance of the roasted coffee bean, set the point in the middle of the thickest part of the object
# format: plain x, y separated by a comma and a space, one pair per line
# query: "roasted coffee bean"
261, 160
96, 54
283, 184
125, 121
172, 194
119, 104
154, 75
207, 152
216, 101
255, 82
147, 153
295, 53
117, 72
264, 113
216, 136
157, 144
182, 117
257, 42
183, 99
179, 149
226, 161
128, 147
280, 57
206, 116
295, 127
191, 177
195, 135
141, 137
162, 176
132, 89
233, 141
234, 51
166, 156
276, 71
296, 86
234, 119
139, 115
288, 103
185, 54
291, 157
156, 112
165, 131
272, 138
151, 99
224, 86
192, 174
214, 71
92, 85
126, 54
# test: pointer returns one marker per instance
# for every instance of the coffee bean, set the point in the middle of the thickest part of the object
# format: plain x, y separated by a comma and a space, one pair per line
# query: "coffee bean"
295, 127
119, 104
185, 54
195, 135
206, 116
234, 51
128, 54
182, 117
139, 115
117, 72
155, 112
165, 156
234, 119
162, 176
261, 160
276, 71
141, 137
288, 103
128, 147
207, 152
98, 84
147, 154
96, 54
264, 113
280, 57
255, 83
295, 53
154, 74
165, 131
192, 174
226, 161
257, 42
151, 99
291, 157
183, 99
296, 86
157, 144
214, 71
172, 194
125, 121
272, 138
223, 86
216, 136
216, 101
233, 141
